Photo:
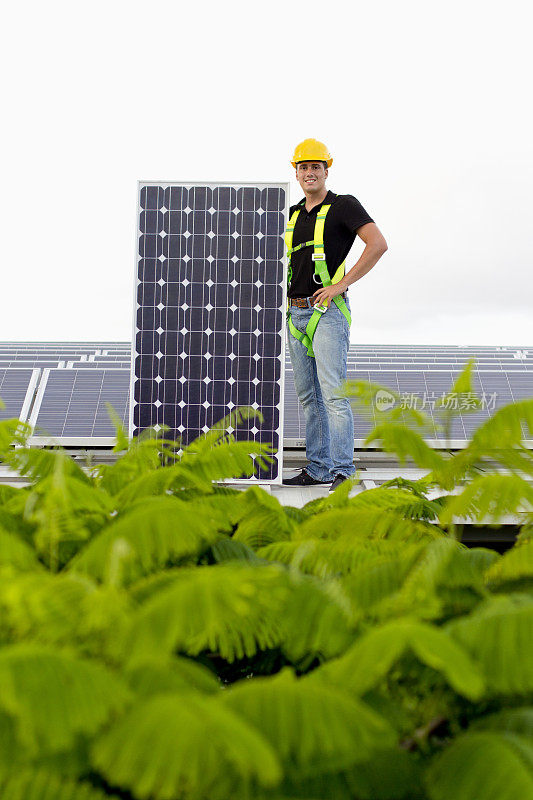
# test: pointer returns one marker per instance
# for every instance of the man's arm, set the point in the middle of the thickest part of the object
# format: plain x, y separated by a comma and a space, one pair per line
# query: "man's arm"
374, 249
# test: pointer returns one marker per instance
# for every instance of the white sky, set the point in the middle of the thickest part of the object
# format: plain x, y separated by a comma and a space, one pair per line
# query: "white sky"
425, 107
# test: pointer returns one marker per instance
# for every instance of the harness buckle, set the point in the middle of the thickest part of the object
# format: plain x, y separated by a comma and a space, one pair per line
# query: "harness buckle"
321, 309
318, 256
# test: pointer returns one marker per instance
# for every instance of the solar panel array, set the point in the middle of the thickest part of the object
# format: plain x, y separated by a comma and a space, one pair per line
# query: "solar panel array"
503, 374
209, 319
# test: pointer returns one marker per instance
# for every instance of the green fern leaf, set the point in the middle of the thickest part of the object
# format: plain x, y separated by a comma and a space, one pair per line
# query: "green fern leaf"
400, 500
12, 517
17, 553
177, 478
54, 507
481, 559
517, 458
160, 676
64, 609
104, 613
396, 438
444, 570
505, 427
492, 766
231, 609
489, 496
185, 745
461, 398
372, 656
40, 784
219, 433
510, 720
158, 532
370, 581
361, 521
122, 443
42, 606
53, 696
232, 550
345, 556
12, 431
262, 519
515, 566
145, 588
391, 774
38, 464
7, 493
316, 621
498, 635
418, 488
226, 459
142, 457
294, 714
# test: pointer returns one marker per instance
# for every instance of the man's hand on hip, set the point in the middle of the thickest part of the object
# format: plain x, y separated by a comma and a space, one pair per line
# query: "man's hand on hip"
324, 296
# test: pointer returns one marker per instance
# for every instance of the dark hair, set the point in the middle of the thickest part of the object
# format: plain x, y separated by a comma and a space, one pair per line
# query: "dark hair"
318, 161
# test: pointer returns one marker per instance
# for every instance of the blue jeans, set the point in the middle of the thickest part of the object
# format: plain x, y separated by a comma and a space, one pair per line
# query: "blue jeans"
328, 416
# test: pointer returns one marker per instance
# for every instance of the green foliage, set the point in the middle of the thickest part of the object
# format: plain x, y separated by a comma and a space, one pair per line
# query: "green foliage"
164, 636
499, 636
159, 532
293, 715
185, 742
373, 655
494, 766
231, 609
52, 696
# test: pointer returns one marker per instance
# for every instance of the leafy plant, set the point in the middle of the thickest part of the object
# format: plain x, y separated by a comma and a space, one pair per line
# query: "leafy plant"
164, 636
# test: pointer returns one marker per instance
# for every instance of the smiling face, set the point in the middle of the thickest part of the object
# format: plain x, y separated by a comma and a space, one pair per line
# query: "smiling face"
311, 175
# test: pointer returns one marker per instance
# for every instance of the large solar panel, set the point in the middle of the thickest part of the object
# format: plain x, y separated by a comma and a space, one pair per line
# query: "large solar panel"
209, 322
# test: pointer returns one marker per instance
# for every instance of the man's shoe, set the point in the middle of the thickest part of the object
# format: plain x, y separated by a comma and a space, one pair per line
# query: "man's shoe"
303, 479
337, 482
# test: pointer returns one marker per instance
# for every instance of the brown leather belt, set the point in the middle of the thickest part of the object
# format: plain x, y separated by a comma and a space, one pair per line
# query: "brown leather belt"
302, 302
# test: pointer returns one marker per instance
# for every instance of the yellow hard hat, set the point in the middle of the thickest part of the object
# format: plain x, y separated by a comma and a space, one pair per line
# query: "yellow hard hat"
311, 150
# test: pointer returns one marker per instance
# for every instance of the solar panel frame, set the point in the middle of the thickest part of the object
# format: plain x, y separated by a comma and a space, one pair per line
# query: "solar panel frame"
278, 408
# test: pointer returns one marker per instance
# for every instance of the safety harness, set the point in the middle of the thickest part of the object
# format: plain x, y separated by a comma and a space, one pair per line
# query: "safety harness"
321, 275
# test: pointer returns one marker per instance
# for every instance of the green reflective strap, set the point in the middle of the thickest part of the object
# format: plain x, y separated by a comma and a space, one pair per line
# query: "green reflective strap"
292, 250
310, 330
306, 338
290, 229
343, 308
302, 337
321, 270
319, 253
288, 241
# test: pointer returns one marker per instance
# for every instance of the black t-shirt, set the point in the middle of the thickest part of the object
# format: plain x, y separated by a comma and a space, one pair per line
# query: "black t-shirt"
343, 219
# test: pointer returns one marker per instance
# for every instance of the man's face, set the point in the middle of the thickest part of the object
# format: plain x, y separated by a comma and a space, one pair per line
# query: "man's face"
311, 175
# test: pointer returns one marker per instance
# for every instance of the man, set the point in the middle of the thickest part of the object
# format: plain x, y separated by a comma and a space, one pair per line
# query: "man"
320, 234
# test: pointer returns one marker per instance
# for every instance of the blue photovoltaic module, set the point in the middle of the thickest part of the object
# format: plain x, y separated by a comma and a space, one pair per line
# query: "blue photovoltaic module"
209, 321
